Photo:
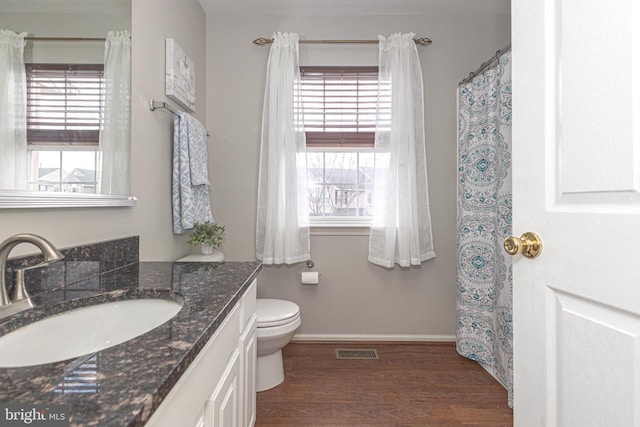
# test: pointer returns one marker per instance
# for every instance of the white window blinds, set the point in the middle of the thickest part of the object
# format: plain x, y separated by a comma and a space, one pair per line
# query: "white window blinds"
339, 105
63, 103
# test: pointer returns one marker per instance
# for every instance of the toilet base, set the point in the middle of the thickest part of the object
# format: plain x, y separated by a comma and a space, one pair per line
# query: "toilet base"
270, 371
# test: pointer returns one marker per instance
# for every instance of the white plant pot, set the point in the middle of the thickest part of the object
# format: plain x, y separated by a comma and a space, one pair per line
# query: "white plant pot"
206, 249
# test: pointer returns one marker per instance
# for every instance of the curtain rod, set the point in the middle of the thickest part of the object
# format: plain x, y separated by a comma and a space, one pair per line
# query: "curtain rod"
486, 65
420, 41
65, 39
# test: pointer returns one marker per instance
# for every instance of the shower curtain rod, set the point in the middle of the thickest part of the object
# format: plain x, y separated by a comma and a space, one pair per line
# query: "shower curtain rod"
65, 39
486, 65
420, 41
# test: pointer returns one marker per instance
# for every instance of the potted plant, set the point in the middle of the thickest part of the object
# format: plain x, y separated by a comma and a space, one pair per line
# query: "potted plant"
208, 235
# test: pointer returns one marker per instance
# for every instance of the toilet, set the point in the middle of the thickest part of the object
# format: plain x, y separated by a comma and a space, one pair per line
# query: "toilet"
278, 321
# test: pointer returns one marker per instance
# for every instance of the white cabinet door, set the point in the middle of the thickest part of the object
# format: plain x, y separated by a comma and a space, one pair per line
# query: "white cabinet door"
248, 354
184, 404
576, 182
223, 408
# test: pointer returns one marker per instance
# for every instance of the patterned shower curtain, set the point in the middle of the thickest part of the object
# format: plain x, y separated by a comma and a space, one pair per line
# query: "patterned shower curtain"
484, 303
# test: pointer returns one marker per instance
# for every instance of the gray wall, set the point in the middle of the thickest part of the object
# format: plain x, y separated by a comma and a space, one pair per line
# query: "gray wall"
152, 22
355, 299
52, 24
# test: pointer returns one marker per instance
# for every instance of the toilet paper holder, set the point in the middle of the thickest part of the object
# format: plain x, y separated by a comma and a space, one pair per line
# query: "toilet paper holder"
309, 264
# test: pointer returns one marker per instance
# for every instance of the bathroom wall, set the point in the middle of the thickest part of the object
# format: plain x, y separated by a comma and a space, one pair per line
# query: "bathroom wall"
355, 299
64, 25
152, 22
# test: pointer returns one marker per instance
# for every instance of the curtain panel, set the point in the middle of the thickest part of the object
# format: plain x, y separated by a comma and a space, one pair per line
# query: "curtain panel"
282, 225
401, 221
13, 114
115, 133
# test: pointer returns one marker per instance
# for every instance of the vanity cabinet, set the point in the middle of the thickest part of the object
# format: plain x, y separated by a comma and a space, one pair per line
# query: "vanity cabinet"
219, 387
222, 408
248, 357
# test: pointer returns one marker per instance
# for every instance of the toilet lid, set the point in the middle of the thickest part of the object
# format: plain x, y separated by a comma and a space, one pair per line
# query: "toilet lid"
275, 312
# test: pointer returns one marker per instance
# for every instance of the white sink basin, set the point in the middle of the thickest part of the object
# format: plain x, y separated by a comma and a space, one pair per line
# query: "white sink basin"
83, 331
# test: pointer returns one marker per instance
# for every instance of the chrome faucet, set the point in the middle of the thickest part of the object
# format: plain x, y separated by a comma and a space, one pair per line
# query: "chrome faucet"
50, 253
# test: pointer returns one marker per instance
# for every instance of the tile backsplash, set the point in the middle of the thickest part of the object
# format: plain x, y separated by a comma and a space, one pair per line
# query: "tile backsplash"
79, 263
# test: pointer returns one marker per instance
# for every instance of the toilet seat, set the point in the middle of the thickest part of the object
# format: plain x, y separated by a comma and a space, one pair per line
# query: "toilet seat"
275, 312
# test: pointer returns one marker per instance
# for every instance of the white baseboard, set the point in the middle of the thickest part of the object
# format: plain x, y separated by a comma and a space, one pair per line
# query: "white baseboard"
373, 338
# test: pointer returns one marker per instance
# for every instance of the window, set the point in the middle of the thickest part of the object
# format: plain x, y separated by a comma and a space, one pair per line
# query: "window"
339, 106
341, 187
63, 126
83, 379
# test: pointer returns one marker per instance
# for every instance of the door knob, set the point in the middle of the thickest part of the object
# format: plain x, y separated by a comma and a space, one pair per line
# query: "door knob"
529, 244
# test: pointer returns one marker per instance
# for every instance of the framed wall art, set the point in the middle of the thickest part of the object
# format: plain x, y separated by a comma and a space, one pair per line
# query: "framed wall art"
180, 76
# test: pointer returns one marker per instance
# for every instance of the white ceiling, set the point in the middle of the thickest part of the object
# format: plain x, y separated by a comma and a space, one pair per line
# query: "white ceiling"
280, 7
67, 6
355, 7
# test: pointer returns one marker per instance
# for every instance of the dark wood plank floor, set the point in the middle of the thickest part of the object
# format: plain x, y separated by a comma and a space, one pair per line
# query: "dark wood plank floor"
410, 385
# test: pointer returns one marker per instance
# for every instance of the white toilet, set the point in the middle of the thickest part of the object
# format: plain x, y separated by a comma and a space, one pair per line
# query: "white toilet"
278, 321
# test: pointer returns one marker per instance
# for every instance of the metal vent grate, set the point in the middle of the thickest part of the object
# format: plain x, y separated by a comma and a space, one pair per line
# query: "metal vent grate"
356, 354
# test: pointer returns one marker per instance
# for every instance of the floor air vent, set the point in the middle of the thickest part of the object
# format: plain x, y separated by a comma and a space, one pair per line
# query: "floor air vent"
356, 354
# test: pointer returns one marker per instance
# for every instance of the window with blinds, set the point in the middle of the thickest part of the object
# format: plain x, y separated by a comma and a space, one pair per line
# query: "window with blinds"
63, 103
339, 106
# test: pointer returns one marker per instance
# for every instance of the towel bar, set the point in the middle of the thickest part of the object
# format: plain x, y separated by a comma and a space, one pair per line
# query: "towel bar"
154, 105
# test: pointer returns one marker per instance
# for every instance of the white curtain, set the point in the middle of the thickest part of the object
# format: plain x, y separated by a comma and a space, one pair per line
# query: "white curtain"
401, 222
116, 125
282, 229
13, 113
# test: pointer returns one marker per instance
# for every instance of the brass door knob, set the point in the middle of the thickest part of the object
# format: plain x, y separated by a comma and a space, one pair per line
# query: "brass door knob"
529, 244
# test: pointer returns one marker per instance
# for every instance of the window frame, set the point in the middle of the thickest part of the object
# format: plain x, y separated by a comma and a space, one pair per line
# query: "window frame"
348, 142
54, 90
340, 225
20, 199
34, 180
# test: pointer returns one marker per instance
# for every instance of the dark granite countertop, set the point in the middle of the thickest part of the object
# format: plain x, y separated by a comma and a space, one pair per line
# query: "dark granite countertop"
123, 385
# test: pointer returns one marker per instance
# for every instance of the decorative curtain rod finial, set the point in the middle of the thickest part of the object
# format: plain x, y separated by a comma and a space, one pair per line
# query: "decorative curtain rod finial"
262, 41
422, 41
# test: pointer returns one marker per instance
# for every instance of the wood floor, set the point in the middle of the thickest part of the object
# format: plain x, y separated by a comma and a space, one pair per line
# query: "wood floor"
410, 385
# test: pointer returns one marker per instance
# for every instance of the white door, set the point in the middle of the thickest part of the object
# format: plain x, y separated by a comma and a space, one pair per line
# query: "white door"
576, 169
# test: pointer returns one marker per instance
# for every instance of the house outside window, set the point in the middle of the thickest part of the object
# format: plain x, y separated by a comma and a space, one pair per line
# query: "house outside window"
340, 113
63, 126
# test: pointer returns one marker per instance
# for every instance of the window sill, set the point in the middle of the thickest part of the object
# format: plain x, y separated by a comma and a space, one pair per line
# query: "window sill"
340, 228
27, 199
